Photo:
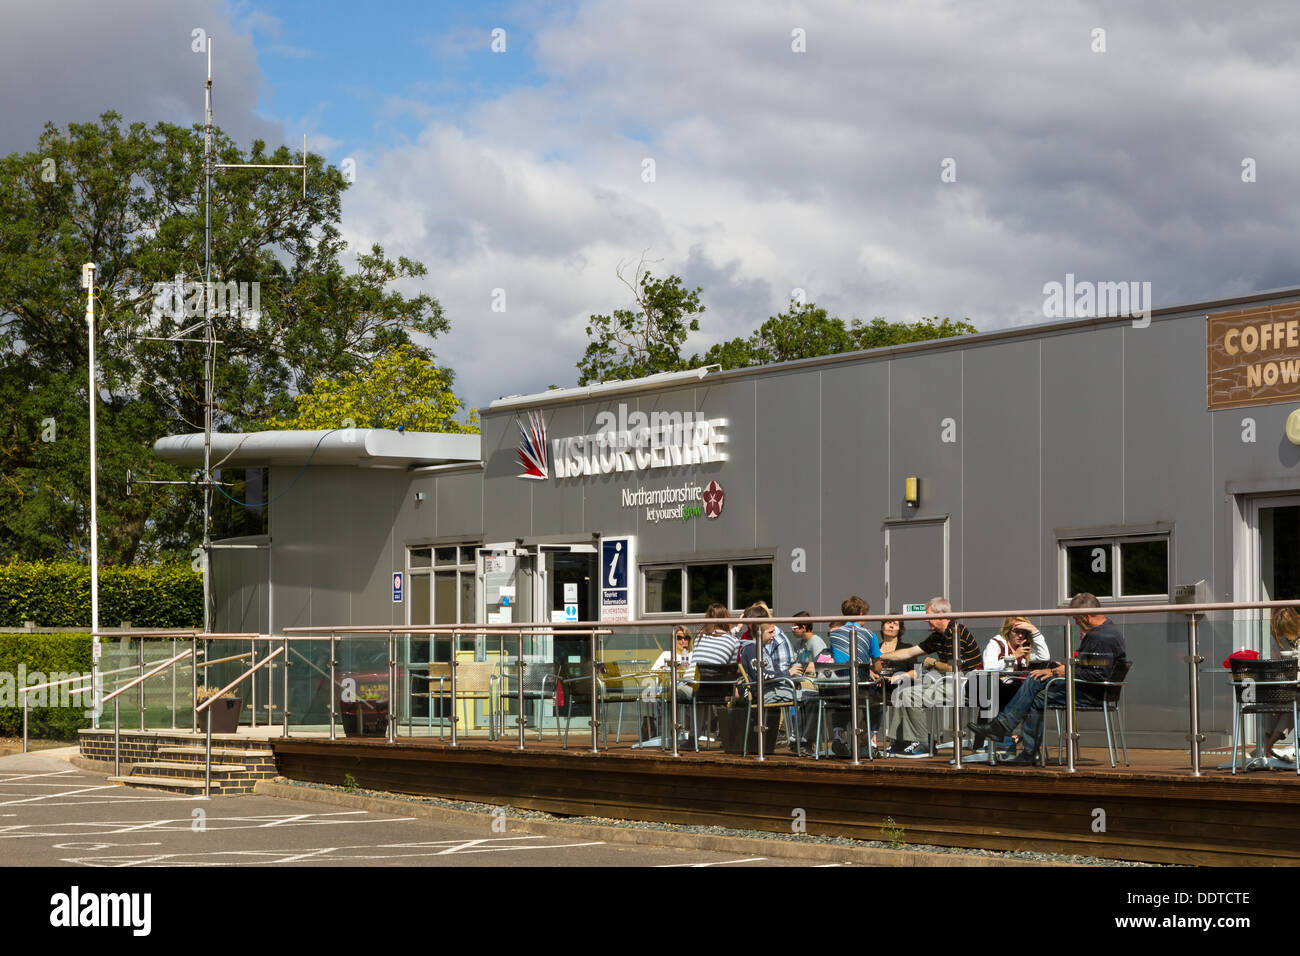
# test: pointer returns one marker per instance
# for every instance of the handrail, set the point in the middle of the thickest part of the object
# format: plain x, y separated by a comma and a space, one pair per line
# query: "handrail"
224, 660
161, 667
199, 708
90, 678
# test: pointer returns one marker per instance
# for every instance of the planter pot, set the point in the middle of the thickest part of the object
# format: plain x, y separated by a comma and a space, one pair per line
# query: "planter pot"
364, 718
731, 724
225, 715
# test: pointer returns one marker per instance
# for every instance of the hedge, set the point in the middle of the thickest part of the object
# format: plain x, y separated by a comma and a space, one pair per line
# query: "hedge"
25, 655
57, 594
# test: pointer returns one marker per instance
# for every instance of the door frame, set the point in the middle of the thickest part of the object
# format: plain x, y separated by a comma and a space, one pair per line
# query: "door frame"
892, 523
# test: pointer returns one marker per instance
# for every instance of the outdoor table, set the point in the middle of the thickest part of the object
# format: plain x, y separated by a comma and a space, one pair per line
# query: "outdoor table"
1260, 761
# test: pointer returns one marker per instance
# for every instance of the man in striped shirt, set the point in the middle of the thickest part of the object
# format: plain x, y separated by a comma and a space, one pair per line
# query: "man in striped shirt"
936, 653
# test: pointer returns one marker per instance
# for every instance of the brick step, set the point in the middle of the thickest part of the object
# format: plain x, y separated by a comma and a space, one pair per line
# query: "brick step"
228, 754
171, 784
146, 769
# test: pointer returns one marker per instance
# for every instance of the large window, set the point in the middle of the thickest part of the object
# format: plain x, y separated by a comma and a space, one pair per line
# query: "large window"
689, 588
1116, 568
441, 582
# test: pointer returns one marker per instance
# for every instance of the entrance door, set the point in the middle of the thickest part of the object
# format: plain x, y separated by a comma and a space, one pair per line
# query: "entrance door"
916, 562
1268, 565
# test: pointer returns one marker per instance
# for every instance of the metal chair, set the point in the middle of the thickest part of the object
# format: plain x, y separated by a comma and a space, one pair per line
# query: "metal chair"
713, 684
539, 682
1108, 704
749, 680
475, 680
834, 690
1262, 687
576, 686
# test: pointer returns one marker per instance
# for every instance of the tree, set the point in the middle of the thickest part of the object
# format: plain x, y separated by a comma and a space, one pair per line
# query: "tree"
632, 343
400, 389
806, 331
131, 200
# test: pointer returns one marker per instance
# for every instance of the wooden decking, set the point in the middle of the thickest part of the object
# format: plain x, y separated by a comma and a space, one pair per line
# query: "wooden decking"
1152, 811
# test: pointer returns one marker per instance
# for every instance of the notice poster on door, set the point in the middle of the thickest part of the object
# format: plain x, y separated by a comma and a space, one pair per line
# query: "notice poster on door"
617, 568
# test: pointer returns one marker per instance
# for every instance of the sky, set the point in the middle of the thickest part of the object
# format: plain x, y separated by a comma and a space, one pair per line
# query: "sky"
895, 159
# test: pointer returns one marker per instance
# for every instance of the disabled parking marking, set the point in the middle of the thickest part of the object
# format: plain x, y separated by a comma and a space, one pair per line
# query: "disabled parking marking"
68, 793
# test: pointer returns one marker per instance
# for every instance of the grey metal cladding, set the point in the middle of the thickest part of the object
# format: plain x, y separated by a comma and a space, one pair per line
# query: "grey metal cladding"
1167, 451
459, 499
856, 490
735, 527
291, 524
788, 479
926, 398
1083, 476
1003, 533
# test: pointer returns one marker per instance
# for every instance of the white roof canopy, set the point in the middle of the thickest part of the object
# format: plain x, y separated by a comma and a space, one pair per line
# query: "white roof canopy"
361, 447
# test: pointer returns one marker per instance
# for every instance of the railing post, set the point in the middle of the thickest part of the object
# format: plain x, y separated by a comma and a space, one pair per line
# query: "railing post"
285, 685
956, 697
759, 657
140, 656
392, 667
455, 704
117, 737
334, 688
252, 685
194, 686
27, 703
519, 690
207, 754
1071, 740
672, 672
853, 694
595, 699
173, 670
1194, 661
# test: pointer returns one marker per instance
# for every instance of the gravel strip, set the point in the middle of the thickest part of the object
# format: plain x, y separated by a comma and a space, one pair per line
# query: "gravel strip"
469, 807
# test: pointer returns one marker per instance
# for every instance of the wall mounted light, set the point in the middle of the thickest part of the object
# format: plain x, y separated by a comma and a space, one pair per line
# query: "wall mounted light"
912, 491
419, 496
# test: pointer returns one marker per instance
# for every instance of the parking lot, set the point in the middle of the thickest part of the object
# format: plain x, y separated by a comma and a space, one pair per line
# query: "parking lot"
55, 814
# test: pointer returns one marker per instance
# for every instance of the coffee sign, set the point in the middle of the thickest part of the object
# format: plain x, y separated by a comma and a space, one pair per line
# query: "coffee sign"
1253, 356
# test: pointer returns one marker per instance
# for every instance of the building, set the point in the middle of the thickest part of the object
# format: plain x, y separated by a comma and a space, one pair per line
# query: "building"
1124, 456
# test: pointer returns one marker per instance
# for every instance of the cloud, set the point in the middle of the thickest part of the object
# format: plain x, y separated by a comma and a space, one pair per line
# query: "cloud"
132, 56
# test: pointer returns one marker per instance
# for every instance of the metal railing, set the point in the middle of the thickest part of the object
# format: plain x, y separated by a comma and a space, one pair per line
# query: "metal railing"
205, 707
594, 632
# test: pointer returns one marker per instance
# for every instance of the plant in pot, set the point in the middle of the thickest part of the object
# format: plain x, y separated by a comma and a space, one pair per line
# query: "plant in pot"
224, 710
364, 704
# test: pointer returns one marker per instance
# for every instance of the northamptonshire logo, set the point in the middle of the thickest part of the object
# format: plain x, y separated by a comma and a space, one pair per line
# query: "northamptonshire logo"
713, 499
532, 447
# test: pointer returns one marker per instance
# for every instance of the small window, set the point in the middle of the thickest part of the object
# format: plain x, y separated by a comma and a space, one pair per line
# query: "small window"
707, 584
444, 555
663, 590
753, 582
421, 557
1118, 568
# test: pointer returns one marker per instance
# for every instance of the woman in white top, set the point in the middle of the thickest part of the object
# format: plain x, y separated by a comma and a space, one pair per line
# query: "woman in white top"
681, 649
1019, 642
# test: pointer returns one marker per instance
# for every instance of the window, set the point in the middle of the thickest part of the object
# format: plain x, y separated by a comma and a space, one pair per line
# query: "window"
442, 587
1116, 568
690, 588
240, 505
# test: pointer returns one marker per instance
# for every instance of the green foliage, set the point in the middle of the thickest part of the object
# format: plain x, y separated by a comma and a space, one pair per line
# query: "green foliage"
38, 658
806, 331
632, 343
131, 200
57, 594
893, 833
349, 783
400, 388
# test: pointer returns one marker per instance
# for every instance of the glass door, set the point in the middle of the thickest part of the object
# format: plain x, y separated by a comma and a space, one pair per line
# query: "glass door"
1268, 567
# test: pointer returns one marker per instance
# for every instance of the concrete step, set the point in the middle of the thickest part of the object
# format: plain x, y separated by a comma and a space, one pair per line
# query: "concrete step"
146, 769
171, 784
227, 754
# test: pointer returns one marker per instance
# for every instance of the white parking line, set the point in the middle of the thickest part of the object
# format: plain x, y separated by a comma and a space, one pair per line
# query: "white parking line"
11, 777
69, 793
65, 829
751, 859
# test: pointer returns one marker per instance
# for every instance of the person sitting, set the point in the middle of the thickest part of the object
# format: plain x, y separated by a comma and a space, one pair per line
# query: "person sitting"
1285, 626
681, 649
779, 665
1101, 640
868, 650
935, 654
890, 672
1012, 649
714, 644
808, 646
